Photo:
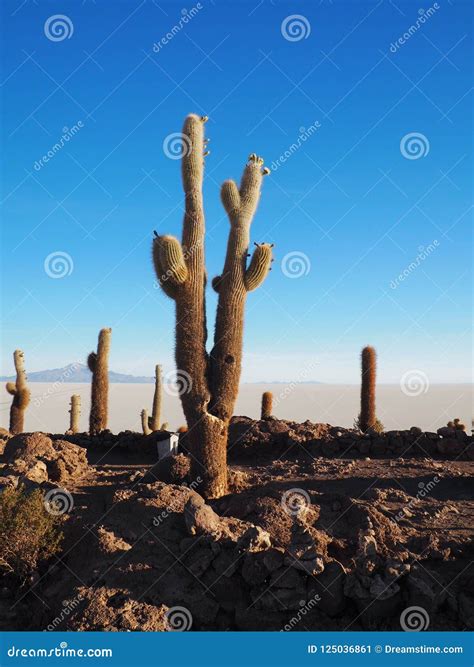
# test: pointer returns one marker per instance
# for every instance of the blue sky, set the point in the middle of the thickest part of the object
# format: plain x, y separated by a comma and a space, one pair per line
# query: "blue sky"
346, 200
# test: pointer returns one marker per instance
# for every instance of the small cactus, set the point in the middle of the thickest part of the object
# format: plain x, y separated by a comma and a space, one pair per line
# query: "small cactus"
74, 413
98, 363
145, 422
165, 426
21, 394
154, 420
367, 418
267, 405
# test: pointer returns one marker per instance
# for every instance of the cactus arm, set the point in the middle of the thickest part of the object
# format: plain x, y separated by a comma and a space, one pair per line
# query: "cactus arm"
11, 388
226, 355
21, 394
259, 266
170, 266
92, 361
145, 422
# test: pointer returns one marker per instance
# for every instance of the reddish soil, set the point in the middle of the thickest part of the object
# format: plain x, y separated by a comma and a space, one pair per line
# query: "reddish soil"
303, 542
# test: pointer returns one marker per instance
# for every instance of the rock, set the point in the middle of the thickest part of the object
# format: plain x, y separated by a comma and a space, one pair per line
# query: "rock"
303, 552
37, 473
424, 591
200, 519
446, 431
466, 610
286, 578
254, 539
273, 559
329, 589
172, 469
226, 562
254, 571
29, 446
416, 430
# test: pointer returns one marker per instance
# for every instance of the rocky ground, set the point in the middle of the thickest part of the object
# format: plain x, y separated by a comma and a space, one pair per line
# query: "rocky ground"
323, 529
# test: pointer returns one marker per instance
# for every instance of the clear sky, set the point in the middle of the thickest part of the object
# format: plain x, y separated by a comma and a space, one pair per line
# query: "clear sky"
356, 199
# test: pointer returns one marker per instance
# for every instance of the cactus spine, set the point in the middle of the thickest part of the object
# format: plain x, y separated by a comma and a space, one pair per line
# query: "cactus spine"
21, 394
367, 416
75, 413
98, 363
212, 379
267, 405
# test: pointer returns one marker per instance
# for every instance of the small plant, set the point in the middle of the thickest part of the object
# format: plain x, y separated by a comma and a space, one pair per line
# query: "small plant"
74, 413
267, 405
457, 424
21, 394
98, 363
145, 422
29, 535
378, 427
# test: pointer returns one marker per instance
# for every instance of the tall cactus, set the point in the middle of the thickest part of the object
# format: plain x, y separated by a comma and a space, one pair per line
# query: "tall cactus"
20, 392
367, 418
155, 419
74, 413
98, 363
267, 405
211, 380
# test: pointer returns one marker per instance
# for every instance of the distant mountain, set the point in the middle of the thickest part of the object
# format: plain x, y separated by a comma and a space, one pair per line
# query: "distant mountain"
78, 373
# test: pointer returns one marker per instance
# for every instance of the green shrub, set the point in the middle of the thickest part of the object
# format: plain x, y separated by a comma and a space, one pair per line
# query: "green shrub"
28, 533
